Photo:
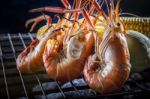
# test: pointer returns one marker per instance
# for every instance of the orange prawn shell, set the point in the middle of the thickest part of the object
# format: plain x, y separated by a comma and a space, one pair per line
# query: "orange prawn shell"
31, 59
59, 73
110, 78
31, 63
67, 69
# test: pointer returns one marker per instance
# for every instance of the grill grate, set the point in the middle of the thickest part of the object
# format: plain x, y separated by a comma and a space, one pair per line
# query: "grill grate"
14, 84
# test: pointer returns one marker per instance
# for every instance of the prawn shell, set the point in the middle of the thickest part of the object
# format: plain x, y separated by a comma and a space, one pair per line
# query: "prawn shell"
31, 60
32, 63
69, 68
111, 75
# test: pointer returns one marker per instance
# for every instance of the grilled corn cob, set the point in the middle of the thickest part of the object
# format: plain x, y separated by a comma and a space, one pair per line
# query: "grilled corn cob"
131, 23
138, 24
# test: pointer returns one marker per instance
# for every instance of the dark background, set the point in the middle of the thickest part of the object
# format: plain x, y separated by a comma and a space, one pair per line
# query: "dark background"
14, 13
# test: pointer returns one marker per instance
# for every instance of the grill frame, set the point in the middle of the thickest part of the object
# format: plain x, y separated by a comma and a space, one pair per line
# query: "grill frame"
12, 41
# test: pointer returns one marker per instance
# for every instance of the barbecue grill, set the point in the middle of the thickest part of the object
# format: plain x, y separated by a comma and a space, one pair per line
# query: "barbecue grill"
14, 84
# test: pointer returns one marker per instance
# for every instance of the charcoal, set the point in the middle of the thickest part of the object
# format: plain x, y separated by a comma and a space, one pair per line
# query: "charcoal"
46, 86
50, 96
136, 76
22, 98
72, 94
79, 82
80, 93
55, 96
87, 92
76, 82
126, 87
66, 85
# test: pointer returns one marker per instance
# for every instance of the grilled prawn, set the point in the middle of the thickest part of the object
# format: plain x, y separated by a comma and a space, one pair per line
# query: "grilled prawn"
64, 59
108, 68
30, 60
67, 64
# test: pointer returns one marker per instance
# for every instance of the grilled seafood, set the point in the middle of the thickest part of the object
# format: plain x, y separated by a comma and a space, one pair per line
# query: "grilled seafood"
64, 61
63, 47
65, 65
108, 68
30, 60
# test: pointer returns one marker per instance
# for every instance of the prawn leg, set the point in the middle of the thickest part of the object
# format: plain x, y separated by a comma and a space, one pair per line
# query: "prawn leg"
37, 20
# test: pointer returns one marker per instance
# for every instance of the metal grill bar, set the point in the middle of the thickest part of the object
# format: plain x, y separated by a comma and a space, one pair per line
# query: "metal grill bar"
140, 86
14, 53
75, 88
4, 73
31, 37
42, 89
119, 94
55, 81
60, 89
8, 71
36, 76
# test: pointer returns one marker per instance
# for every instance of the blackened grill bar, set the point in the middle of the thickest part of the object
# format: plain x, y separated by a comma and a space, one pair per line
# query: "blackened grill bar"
4, 72
36, 76
14, 84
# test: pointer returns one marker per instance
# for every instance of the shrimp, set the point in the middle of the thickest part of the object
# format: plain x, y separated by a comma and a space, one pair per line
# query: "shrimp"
64, 61
107, 69
30, 60
65, 65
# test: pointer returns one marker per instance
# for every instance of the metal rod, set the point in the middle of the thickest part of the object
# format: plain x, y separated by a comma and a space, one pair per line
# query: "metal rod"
31, 37
36, 76
55, 81
139, 85
14, 53
93, 90
4, 72
60, 89
75, 88
141, 88
42, 89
